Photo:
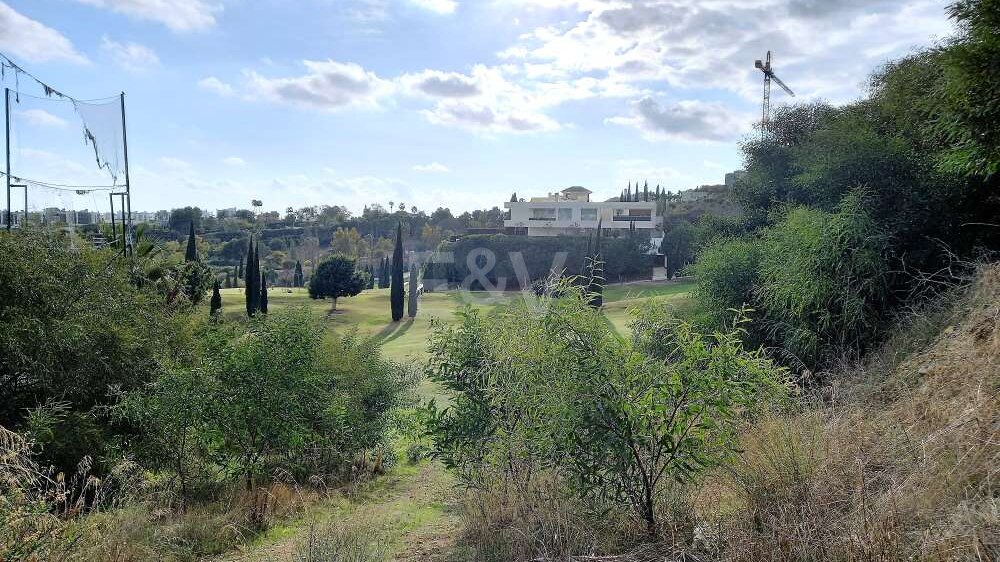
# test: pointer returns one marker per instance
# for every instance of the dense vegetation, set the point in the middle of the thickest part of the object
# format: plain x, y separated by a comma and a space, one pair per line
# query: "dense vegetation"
107, 374
854, 212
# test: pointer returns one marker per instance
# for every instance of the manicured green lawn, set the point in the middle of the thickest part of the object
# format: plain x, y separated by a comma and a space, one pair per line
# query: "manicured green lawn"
407, 340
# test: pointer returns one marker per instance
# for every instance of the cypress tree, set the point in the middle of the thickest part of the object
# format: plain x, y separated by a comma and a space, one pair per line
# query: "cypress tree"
215, 305
191, 254
645, 191
396, 287
249, 283
513, 197
239, 269
263, 294
298, 279
411, 308
229, 282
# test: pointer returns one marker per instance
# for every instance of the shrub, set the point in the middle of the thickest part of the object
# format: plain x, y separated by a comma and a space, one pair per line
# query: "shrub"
823, 281
617, 421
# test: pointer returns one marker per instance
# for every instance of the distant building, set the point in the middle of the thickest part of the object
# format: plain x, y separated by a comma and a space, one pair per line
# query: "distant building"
229, 213
570, 211
732, 178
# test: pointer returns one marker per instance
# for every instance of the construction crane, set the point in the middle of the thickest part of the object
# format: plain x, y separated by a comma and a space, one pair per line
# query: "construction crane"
765, 67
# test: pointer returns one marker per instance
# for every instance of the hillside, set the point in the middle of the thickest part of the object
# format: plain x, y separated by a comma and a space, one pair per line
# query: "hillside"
898, 462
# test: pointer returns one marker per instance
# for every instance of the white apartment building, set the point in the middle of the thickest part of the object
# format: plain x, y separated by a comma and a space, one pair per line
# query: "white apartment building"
571, 211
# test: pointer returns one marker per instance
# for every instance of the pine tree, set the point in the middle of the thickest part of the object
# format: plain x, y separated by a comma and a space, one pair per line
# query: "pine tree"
411, 309
191, 254
262, 306
215, 305
396, 287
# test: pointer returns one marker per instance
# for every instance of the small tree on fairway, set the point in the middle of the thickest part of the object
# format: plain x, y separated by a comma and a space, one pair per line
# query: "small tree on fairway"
191, 254
336, 277
216, 303
263, 294
396, 288
411, 306
298, 280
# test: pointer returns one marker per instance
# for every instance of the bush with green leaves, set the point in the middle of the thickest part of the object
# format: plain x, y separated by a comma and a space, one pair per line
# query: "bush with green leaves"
274, 392
554, 389
76, 331
823, 280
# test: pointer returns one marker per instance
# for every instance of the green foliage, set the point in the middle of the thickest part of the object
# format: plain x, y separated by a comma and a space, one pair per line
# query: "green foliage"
625, 258
726, 273
75, 330
216, 303
336, 277
619, 420
411, 301
823, 278
396, 286
969, 107
191, 254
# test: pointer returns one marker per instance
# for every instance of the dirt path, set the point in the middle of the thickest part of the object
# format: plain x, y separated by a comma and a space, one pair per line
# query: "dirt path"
413, 511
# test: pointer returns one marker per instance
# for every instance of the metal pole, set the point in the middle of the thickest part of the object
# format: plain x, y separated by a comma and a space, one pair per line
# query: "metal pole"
114, 226
6, 104
128, 191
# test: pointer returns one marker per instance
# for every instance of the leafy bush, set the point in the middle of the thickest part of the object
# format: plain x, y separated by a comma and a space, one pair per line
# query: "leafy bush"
75, 330
726, 273
271, 394
618, 421
823, 280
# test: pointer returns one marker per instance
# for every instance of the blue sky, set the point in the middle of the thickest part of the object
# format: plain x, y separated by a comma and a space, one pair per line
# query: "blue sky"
452, 103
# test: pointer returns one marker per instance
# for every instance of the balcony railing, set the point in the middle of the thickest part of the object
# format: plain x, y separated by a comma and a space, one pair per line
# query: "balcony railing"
630, 218
541, 218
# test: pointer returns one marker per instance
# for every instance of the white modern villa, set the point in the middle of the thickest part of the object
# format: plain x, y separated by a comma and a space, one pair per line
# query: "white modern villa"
571, 211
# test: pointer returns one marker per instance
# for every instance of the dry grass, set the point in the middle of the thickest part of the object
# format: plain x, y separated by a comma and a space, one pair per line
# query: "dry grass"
899, 465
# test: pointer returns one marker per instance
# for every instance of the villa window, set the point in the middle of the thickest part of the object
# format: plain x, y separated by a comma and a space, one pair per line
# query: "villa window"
588, 214
566, 214
543, 214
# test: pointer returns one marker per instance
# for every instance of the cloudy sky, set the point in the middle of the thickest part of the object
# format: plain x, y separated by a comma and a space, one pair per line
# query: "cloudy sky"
430, 102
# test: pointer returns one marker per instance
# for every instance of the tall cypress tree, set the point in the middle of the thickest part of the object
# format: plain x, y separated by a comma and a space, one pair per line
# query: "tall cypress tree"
298, 279
645, 191
191, 254
396, 287
263, 294
411, 308
215, 305
250, 281
229, 281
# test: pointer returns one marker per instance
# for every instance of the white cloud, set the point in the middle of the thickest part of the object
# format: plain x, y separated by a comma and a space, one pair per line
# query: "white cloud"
178, 15
328, 85
822, 48
213, 84
130, 56
432, 168
689, 120
234, 161
175, 165
23, 37
42, 118
437, 6
434, 83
